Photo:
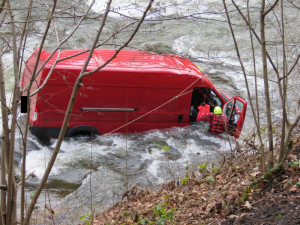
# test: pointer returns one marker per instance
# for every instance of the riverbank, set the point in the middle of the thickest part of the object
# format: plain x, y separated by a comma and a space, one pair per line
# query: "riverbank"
234, 193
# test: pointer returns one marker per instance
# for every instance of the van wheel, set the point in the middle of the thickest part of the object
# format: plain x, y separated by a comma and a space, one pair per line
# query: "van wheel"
82, 131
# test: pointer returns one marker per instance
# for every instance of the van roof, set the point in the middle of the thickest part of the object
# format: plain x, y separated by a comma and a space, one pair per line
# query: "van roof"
125, 60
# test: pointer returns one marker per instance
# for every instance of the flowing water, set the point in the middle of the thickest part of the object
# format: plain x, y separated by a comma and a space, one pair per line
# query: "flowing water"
97, 172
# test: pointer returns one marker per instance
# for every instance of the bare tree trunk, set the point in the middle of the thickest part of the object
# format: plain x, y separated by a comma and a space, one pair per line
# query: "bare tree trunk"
5, 142
284, 84
266, 83
11, 184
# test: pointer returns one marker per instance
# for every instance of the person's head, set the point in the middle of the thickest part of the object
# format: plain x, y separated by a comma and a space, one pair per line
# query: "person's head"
218, 110
203, 103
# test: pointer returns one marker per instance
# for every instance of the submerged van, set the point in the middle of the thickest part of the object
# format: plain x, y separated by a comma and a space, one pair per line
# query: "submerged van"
137, 91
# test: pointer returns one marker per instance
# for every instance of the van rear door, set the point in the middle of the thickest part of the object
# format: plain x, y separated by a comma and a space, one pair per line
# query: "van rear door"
235, 110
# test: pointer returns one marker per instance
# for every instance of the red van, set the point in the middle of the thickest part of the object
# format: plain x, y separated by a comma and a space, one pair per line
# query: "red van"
137, 91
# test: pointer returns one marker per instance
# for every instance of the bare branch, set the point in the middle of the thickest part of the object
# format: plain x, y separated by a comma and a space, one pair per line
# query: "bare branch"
293, 4
292, 68
271, 8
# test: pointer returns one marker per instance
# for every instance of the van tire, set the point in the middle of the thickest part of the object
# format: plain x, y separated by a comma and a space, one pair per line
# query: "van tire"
82, 130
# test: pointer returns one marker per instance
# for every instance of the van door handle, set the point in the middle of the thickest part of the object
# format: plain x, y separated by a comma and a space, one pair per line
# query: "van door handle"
109, 109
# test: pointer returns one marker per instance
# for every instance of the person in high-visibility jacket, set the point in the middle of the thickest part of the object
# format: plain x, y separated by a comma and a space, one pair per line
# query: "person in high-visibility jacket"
218, 121
204, 112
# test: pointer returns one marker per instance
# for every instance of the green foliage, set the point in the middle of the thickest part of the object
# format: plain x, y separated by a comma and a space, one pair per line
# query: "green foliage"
187, 175
184, 180
295, 164
214, 170
263, 129
162, 215
167, 199
203, 167
268, 175
298, 184
86, 218
142, 221
125, 213
210, 180
279, 216
165, 147
187, 168
246, 194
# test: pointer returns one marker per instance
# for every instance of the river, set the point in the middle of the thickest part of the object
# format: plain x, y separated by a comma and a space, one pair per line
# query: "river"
98, 172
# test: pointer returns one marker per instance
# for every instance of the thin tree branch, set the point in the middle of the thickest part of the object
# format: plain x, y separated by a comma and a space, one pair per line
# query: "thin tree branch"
5, 141
292, 68
271, 8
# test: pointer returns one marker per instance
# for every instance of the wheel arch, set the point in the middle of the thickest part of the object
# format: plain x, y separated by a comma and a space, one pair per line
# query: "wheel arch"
82, 130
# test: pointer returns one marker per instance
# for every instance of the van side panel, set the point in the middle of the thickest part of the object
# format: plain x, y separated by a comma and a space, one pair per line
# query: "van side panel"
111, 89
157, 97
54, 97
99, 90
